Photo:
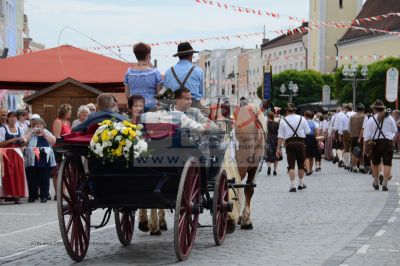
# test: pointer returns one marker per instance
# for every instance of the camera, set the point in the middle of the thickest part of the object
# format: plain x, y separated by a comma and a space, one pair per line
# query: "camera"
36, 130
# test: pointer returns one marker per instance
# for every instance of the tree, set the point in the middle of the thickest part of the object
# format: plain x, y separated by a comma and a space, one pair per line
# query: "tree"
370, 90
310, 85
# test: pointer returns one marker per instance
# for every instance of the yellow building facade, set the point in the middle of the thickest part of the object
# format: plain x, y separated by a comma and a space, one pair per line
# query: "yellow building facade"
322, 40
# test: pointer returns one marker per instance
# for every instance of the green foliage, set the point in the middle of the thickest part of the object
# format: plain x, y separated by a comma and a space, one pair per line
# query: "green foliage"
370, 90
310, 85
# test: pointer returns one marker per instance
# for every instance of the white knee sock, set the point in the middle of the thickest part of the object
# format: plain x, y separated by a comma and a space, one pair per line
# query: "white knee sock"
333, 153
346, 158
340, 155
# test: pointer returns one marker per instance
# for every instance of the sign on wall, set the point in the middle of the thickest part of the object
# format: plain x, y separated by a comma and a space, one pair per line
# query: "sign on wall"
392, 84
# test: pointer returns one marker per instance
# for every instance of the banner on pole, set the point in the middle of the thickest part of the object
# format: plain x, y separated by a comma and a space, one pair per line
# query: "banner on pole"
267, 86
392, 84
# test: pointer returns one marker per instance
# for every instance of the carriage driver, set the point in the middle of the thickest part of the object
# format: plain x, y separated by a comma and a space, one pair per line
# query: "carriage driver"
293, 130
165, 114
183, 102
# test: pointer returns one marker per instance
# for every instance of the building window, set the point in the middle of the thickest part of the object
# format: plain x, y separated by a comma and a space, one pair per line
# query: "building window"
291, 66
341, 4
295, 50
284, 52
301, 49
223, 69
301, 66
280, 53
296, 65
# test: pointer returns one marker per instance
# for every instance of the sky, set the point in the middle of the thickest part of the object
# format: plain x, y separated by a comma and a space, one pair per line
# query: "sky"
124, 22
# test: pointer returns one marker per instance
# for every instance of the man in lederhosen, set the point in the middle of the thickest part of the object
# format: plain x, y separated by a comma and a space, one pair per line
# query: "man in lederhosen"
380, 132
344, 134
293, 129
356, 124
185, 75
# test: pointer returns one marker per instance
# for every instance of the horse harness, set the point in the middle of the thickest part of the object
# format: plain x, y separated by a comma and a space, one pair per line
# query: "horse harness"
253, 117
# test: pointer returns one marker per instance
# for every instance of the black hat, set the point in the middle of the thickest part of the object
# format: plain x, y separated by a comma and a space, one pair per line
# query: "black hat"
378, 104
360, 107
185, 48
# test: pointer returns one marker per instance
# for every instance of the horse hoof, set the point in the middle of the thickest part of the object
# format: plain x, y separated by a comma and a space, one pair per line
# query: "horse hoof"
143, 226
157, 233
230, 227
246, 226
163, 227
239, 220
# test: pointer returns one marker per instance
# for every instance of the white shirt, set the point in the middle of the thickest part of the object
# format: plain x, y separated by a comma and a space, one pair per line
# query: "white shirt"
3, 132
338, 118
344, 123
171, 117
363, 127
285, 132
389, 128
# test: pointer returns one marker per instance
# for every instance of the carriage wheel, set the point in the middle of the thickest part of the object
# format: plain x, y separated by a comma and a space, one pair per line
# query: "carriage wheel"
220, 211
124, 223
73, 217
187, 209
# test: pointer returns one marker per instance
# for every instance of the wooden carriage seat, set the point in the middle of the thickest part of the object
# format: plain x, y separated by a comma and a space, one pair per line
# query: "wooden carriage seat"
157, 131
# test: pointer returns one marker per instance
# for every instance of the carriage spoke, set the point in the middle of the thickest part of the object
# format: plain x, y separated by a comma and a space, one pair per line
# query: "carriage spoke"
69, 223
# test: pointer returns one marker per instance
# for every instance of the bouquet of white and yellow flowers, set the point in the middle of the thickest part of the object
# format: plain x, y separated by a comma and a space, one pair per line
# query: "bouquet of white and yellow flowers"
116, 140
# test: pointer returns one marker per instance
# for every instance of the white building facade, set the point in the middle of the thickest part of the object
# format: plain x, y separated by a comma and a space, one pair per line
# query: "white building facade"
285, 52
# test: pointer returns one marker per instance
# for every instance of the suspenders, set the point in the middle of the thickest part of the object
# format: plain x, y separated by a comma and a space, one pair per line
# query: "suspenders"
295, 135
378, 127
182, 84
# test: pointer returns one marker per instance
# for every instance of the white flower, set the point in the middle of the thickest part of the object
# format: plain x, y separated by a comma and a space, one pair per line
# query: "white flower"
118, 138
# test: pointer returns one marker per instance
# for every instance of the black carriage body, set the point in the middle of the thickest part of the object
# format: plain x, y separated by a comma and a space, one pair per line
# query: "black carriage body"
149, 182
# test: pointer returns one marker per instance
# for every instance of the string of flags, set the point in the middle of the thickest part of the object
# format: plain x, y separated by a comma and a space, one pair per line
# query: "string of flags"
258, 12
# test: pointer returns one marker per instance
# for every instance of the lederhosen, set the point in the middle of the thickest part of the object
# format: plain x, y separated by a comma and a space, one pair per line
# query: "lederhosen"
336, 144
195, 103
295, 148
346, 138
381, 149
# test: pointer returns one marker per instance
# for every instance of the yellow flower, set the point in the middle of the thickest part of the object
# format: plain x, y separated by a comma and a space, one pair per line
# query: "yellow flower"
95, 138
125, 131
114, 132
122, 143
106, 123
105, 136
118, 151
132, 133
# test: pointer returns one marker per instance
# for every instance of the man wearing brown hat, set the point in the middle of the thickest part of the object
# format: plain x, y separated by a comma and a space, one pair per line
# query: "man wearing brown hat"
185, 75
293, 130
380, 132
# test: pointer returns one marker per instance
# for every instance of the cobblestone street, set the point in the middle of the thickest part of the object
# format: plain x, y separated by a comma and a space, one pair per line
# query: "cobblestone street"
338, 219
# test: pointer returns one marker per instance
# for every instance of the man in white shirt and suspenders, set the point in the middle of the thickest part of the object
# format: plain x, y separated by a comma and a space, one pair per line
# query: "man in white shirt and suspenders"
344, 133
293, 129
338, 145
380, 132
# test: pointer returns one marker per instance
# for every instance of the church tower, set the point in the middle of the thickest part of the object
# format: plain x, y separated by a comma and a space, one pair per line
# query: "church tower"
322, 40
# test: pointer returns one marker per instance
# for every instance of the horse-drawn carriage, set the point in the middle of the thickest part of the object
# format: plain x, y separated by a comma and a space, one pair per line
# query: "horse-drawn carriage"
179, 176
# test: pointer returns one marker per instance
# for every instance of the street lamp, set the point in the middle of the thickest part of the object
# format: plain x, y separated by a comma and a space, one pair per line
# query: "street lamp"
350, 74
293, 89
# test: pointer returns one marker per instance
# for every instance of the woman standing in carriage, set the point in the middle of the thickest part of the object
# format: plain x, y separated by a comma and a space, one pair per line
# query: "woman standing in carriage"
143, 79
11, 138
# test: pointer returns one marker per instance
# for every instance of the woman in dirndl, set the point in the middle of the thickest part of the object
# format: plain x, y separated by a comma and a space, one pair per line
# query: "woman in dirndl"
13, 184
272, 142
